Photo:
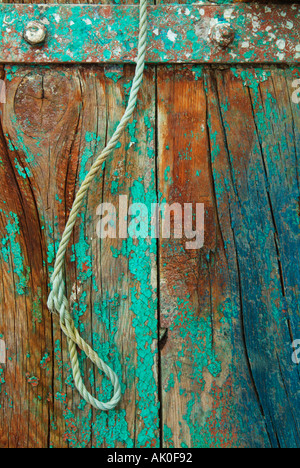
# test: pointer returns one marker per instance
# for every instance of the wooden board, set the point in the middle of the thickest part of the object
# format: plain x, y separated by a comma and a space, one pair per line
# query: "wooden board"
53, 124
176, 33
200, 338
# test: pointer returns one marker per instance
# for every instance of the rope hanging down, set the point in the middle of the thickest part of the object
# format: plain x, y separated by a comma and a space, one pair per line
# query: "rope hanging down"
58, 302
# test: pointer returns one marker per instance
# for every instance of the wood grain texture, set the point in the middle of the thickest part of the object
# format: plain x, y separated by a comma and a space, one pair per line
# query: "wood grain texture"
229, 139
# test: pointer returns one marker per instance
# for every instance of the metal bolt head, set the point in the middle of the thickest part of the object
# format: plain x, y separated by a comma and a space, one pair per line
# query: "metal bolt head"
223, 34
35, 32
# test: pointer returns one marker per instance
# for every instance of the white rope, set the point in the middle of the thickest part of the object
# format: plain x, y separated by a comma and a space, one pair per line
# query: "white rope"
57, 301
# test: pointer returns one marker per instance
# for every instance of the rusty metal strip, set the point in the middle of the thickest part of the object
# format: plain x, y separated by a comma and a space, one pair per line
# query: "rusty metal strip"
177, 34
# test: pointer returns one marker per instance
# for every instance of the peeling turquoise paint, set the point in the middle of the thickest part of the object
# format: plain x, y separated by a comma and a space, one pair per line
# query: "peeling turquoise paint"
23, 172
252, 77
264, 217
45, 361
168, 437
144, 305
167, 171
115, 73
10, 71
2, 380
112, 428
197, 332
12, 252
131, 128
171, 383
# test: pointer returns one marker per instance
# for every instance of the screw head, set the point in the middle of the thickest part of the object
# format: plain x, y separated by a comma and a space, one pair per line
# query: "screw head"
223, 34
35, 32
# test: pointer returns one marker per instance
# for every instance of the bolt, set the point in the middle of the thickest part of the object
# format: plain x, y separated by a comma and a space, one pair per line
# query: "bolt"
35, 32
223, 34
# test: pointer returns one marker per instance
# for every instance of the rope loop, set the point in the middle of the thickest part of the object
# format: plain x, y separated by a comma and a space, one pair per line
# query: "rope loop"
57, 301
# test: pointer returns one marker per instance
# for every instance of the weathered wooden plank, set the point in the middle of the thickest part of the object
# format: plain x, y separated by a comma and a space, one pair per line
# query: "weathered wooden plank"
230, 138
38, 176
226, 352
177, 33
54, 123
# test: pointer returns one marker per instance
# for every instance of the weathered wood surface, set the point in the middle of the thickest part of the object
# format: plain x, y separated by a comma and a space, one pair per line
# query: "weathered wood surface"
231, 310
176, 34
53, 124
222, 374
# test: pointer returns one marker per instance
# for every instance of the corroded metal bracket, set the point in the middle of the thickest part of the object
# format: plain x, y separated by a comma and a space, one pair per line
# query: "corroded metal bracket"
176, 34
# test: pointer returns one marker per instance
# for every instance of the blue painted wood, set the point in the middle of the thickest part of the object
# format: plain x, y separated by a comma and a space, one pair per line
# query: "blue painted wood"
257, 186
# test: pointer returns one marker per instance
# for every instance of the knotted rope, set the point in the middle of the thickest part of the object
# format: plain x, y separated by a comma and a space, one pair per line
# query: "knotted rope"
58, 302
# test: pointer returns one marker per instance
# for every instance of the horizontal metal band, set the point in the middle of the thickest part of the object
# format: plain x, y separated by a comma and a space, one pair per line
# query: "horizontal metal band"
176, 34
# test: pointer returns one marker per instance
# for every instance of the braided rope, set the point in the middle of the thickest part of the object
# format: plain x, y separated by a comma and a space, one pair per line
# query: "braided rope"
57, 301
